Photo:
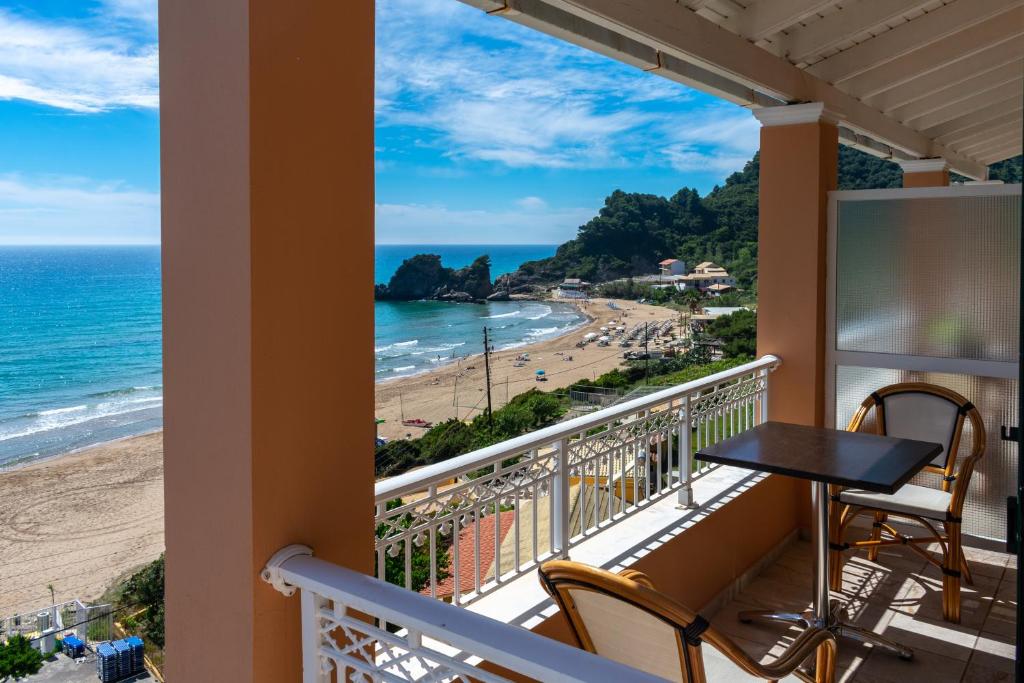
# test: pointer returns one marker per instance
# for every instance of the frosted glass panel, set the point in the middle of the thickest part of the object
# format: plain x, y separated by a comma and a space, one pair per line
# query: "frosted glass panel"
995, 476
929, 277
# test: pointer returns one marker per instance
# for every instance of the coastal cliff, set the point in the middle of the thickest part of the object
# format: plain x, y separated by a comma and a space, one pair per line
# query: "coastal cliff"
424, 277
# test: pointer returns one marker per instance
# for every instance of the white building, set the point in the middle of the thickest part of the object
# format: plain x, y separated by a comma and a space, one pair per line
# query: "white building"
705, 276
671, 266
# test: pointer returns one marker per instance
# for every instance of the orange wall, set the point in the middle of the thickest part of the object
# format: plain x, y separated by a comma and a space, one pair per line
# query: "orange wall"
267, 165
927, 179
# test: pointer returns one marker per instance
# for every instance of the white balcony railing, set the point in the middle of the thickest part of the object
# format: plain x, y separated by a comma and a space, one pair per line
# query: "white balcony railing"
369, 630
461, 528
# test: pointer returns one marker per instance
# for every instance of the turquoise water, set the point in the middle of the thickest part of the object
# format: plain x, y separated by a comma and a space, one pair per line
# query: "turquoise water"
80, 338
80, 347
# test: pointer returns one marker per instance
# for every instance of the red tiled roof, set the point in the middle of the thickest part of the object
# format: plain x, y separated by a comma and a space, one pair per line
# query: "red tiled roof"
467, 543
667, 262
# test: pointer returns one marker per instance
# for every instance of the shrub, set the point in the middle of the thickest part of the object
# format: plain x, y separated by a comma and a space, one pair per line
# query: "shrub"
18, 658
145, 588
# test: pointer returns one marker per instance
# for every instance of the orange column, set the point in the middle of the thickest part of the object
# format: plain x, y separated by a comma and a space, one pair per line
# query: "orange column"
799, 156
799, 152
267, 171
925, 172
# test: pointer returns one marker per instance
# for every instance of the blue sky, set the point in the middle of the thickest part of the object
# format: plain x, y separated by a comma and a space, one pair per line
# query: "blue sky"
487, 132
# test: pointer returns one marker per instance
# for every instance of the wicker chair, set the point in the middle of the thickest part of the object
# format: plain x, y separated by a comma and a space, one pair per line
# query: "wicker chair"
622, 617
926, 412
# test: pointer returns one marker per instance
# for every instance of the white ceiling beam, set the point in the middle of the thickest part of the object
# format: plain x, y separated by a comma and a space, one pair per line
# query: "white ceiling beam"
993, 115
989, 98
910, 36
674, 30
961, 142
934, 56
694, 76
826, 33
1007, 54
992, 137
574, 29
1008, 148
1007, 152
555, 22
993, 143
961, 93
767, 17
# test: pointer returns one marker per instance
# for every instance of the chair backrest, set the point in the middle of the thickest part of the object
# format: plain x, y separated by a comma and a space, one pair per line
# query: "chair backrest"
926, 412
623, 620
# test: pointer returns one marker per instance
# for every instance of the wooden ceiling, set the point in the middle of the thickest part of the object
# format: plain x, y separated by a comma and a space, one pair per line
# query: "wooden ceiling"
905, 78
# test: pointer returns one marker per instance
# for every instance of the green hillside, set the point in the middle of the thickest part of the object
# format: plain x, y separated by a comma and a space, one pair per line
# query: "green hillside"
633, 231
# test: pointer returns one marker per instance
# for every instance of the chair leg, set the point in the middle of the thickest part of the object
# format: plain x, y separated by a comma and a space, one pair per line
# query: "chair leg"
835, 557
876, 535
951, 568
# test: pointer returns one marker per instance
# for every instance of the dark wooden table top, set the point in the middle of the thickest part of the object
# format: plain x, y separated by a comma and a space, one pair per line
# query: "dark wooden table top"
865, 461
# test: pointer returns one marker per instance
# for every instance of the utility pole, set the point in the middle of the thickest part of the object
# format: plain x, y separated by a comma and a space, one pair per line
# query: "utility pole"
487, 372
647, 358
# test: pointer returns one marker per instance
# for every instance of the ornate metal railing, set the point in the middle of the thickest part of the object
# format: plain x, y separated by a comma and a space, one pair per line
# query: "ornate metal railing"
368, 630
460, 528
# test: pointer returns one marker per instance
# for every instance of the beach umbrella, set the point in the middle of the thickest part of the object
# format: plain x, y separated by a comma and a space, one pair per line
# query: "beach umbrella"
604, 329
540, 372
605, 338
590, 335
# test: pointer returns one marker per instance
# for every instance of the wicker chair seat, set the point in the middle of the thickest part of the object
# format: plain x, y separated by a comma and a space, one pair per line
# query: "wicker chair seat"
910, 500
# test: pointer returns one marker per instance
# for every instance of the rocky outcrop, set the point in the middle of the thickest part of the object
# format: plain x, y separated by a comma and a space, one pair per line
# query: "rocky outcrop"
424, 277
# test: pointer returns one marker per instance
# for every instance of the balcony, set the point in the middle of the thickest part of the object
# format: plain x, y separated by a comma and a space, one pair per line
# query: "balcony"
609, 489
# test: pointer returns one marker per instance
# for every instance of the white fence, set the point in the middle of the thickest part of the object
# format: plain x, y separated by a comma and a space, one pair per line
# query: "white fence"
458, 529
369, 630
91, 623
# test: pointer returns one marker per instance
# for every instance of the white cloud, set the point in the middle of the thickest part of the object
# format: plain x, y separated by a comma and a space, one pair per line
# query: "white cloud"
71, 210
490, 90
719, 139
74, 69
144, 11
532, 203
408, 223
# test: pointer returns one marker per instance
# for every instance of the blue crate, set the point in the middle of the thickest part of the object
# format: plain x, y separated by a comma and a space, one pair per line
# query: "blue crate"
107, 663
124, 657
138, 649
73, 647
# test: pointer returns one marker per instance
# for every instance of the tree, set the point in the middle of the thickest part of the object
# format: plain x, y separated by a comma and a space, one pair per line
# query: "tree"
738, 333
18, 658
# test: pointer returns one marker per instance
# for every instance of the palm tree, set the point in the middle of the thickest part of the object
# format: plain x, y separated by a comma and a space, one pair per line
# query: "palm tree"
694, 299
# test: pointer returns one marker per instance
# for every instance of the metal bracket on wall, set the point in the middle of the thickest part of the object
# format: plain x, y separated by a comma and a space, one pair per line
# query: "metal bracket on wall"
1009, 433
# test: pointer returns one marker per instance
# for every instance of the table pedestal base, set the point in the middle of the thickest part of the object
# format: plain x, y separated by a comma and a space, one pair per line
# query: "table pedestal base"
834, 624
825, 612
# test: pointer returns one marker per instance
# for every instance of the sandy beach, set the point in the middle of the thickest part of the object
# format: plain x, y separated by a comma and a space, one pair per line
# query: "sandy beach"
82, 520
457, 389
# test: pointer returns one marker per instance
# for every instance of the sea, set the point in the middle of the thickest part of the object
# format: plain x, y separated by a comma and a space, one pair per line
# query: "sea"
80, 337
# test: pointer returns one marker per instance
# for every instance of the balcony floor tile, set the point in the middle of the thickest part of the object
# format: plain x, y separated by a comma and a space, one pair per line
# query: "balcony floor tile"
899, 596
